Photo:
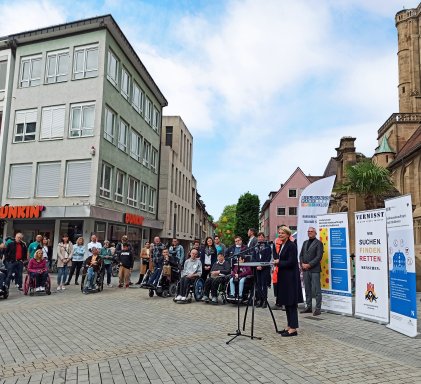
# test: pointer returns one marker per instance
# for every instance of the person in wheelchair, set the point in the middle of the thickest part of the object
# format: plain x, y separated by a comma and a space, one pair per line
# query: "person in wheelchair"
191, 271
160, 263
93, 265
239, 275
218, 275
38, 271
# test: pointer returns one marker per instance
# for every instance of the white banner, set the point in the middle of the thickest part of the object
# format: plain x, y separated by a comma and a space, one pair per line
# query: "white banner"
371, 266
403, 300
314, 200
336, 270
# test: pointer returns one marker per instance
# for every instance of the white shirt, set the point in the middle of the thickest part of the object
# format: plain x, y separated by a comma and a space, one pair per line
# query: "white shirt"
92, 245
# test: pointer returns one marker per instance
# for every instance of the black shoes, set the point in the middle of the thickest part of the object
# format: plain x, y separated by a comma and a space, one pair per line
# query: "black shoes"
288, 334
67, 283
317, 312
307, 310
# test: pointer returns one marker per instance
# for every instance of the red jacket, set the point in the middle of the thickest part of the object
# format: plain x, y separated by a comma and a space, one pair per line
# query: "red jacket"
37, 267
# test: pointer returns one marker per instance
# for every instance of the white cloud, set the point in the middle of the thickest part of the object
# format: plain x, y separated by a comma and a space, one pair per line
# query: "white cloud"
27, 15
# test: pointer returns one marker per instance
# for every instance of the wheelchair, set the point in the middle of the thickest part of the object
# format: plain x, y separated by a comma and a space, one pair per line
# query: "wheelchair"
221, 291
195, 289
29, 286
247, 291
98, 280
167, 282
4, 288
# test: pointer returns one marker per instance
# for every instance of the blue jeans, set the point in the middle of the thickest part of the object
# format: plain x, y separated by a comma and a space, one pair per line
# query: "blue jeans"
153, 280
15, 267
90, 278
40, 278
62, 275
240, 286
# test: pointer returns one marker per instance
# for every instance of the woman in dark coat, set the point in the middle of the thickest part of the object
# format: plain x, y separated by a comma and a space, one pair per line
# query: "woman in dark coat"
208, 257
289, 282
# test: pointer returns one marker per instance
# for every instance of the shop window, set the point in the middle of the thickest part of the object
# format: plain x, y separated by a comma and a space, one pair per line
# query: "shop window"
74, 228
115, 232
100, 230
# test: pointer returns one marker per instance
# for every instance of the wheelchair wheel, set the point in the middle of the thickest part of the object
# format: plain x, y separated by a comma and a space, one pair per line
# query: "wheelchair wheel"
198, 289
159, 291
5, 294
151, 292
165, 293
82, 282
26, 287
114, 270
172, 290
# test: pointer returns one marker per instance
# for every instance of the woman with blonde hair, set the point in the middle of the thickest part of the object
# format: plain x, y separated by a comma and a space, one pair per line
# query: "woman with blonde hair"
289, 282
77, 260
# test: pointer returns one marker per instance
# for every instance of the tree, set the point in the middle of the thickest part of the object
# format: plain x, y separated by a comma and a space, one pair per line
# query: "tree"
367, 180
226, 225
248, 207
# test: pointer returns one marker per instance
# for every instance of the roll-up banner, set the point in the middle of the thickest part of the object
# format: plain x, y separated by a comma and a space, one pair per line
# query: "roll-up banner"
371, 266
336, 270
400, 232
314, 200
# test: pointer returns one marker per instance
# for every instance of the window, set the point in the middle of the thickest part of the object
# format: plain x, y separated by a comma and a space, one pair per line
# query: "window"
30, 71
119, 186
293, 227
20, 180
78, 178
138, 98
135, 145
152, 194
112, 69
52, 122
106, 178
109, 125
292, 211
132, 192
122, 135
154, 158
148, 111
82, 119
125, 83
48, 179
155, 122
143, 196
3, 70
292, 193
85, 62
280, 211
25, 125
146, 153
168, 135
57, 67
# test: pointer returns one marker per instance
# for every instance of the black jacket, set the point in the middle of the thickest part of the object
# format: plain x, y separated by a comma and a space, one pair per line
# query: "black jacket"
126, 259
11, 252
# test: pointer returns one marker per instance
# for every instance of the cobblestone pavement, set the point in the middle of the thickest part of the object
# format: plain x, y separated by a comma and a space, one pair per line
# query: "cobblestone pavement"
124, 336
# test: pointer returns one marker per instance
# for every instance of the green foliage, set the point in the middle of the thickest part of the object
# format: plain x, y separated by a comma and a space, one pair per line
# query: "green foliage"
367, 180
226, 225
248, 207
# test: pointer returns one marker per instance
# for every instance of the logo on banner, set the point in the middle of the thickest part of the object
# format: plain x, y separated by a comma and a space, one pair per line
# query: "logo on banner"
370, 293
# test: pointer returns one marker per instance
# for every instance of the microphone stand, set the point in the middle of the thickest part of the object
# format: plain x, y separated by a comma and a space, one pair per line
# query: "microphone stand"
238, 330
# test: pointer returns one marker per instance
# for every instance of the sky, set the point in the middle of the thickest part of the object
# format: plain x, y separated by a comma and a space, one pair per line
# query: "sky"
264, 86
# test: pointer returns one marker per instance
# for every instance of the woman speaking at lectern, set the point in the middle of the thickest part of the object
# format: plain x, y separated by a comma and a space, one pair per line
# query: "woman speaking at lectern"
289, 283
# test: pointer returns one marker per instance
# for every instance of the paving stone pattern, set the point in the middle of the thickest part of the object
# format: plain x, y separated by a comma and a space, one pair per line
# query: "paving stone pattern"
124, 336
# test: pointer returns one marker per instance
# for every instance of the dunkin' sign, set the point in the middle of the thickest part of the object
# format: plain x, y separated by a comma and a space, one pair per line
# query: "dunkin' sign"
130, 218
21, 211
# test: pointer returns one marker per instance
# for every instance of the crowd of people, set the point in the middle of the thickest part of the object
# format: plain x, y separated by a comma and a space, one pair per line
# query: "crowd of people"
217, 265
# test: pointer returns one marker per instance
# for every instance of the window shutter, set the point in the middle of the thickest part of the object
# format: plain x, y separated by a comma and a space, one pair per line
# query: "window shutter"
31, 116
20, 180
20, 117
78, 181
48, 180
46, 123
57, 126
